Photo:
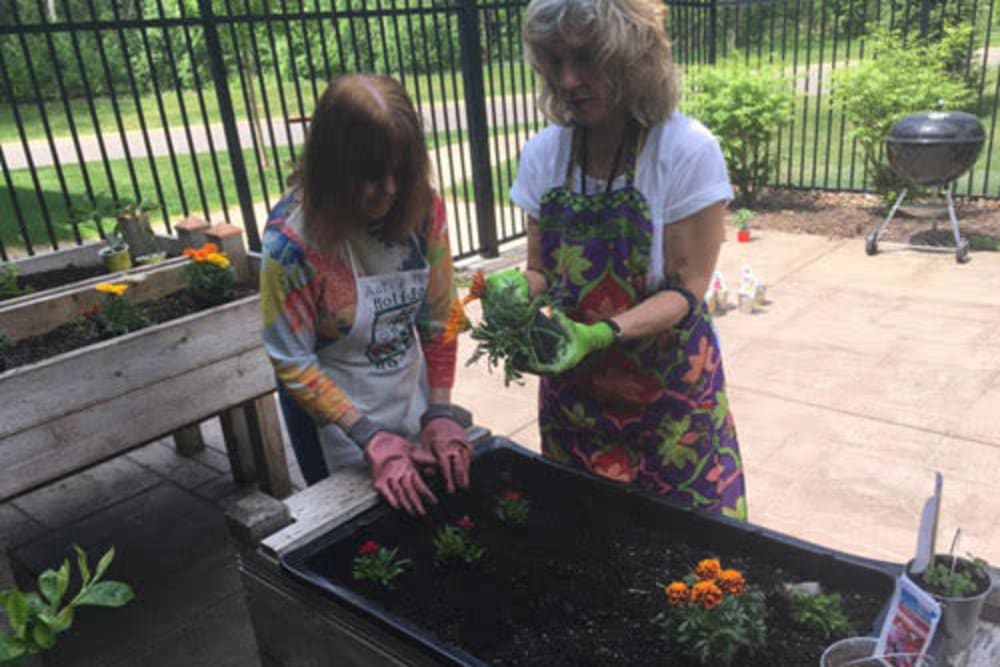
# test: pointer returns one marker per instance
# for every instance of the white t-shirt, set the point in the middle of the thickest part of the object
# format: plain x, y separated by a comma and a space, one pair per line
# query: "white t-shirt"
680, 171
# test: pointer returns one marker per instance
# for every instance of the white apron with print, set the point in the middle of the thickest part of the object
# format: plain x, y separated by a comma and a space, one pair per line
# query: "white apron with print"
380, 364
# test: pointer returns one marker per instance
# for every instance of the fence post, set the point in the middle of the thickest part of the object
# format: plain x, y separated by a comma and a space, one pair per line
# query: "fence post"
218, 67
925, 17
713, 21
475, 114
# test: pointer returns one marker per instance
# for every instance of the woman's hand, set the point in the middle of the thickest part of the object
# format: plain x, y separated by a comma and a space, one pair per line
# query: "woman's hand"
394, 474
578, 340
446, 440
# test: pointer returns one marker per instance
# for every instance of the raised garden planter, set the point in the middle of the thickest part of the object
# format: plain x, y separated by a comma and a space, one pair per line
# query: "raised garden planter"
579, 584
75, 409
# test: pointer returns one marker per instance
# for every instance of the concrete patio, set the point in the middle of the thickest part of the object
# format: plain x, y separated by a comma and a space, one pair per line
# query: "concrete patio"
860, 378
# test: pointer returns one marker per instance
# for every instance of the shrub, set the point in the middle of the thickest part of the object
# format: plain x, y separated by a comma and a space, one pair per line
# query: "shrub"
745, 109
821, 613
902, 78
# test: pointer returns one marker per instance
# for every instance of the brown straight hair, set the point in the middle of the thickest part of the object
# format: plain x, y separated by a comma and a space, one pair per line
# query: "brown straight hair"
364, 126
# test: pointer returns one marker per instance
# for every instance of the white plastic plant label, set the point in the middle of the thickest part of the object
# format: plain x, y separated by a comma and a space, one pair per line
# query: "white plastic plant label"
909, 626
927, 533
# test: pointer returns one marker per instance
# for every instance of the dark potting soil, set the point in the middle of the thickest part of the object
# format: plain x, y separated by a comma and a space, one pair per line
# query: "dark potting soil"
56, 277
83, 332
580, 583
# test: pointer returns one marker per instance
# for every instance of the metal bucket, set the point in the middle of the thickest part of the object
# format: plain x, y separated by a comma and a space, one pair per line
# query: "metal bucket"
853, 651
959, 616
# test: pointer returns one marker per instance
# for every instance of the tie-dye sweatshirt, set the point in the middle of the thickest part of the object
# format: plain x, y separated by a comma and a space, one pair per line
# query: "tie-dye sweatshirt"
308, 301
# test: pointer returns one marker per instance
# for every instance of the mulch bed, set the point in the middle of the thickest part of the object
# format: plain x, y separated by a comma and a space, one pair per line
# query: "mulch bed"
580, 583
838, 215
83, 332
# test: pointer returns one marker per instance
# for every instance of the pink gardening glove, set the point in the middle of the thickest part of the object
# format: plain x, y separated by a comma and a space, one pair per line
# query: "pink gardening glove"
394, 474
446, 440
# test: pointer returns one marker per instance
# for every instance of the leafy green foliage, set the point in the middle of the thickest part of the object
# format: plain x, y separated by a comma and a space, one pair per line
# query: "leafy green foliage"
9, 287
821, 613
37, 618
513, 508
5, 347
210, 276
116, 316
452, 543
376, 563
105, 208
745, 108
962, 582
717, 635
901, 78
743, 217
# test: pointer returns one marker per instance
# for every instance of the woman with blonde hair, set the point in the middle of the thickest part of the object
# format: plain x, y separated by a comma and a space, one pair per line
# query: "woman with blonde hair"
358, 294
625, 199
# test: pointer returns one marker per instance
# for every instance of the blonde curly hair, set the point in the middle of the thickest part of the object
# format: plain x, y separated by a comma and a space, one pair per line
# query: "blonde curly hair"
631, 49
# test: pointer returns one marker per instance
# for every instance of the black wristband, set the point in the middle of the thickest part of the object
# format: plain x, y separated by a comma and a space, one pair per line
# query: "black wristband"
362, 431
437, 410
689, 297
615, 329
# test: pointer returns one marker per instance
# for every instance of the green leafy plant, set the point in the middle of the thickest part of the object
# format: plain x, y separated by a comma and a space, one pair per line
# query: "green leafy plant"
743, 217
452, 543
117, 212
9, 286
899, 78
513, 508
116, 315
512, 331
376, 563
210, 276
955, 582
820, 612
745, 108
713, 616
36, 618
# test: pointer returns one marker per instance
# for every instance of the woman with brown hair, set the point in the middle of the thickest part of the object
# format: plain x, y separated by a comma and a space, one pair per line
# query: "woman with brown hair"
358, 298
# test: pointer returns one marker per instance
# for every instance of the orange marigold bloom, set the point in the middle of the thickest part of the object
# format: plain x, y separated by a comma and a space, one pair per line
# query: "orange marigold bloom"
678, 593
732, 582
457, 321
477, 288
708, 569
706, 593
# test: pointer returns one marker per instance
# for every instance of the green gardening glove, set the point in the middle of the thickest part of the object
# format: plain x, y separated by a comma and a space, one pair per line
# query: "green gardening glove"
510, 280
579, 340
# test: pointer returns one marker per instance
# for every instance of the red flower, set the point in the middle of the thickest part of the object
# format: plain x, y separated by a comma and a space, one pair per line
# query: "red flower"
615, 463
511, 495
369, 547
707, 593
90, 312
465, 522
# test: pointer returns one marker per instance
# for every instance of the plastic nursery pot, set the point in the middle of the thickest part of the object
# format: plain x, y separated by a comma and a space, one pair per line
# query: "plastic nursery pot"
959, 615
747, 304
152, 258
760, 295
743, 235
115, 260
852, 652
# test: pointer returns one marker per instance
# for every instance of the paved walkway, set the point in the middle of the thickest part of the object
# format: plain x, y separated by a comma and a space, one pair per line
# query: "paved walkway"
862, 377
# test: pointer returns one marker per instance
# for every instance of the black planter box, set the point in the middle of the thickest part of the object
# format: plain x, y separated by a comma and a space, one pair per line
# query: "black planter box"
587, 507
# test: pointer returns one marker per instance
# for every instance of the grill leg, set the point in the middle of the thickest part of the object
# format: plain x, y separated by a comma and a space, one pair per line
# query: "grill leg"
871, 242
961, 245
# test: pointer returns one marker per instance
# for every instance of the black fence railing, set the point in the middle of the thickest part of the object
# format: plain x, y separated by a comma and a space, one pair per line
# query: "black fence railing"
201, 105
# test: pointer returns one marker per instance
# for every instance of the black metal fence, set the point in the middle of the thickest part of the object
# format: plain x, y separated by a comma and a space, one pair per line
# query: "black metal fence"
200, 105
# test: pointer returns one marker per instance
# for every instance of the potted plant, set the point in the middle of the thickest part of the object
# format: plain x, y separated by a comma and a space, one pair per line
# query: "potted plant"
10, 286
742, 220
210, 276
35, 619
960, 586
116, 254
133, 224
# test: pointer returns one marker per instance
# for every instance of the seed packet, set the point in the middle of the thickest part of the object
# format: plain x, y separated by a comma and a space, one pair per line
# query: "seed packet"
909, 626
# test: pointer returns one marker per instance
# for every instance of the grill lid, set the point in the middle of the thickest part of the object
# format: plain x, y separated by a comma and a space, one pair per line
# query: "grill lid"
937, 127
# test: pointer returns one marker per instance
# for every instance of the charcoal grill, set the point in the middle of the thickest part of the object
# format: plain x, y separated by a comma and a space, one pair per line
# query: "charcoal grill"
932, 149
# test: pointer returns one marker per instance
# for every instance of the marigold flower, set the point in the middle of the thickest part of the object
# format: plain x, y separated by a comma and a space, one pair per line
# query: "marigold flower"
732, 582
477, 288
369, 547
465, 522
511, 495
708, 569
218, 259
706, 593
457, 322
677, 592
112, 288
209, 248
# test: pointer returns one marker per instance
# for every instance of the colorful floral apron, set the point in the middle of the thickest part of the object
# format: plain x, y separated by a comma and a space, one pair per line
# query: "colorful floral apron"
650, 412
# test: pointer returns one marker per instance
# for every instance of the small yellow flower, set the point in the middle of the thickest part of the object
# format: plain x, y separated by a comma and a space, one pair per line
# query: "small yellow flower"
218, 259
732, 582
708, 569
677, 592
117, 289
707, 593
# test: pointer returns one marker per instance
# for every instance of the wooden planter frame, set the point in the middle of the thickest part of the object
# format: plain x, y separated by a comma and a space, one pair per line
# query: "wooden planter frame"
74, 410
